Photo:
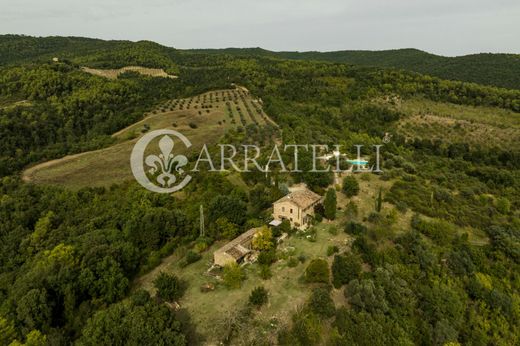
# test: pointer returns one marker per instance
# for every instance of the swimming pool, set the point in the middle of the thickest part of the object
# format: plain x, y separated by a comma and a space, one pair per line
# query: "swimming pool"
358, 162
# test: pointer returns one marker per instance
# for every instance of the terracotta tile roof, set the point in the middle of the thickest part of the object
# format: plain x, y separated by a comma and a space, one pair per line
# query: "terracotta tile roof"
303, 198
238, 251
239, 247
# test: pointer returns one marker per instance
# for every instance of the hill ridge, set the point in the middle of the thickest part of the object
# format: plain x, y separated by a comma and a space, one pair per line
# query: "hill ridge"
493, 69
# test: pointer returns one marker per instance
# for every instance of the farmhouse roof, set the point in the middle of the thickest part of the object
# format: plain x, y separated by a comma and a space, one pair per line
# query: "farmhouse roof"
239, 247
303, 198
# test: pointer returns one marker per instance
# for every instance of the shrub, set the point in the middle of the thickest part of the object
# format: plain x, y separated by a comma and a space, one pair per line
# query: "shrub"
192, 125
306, 330
317, 271
351, 211
365, 176
285, 226
140, 297
355, 228
169, 287
350, 186
503, 205
233, 276
292, 262
402, 206
333, 230
374, 217
367, 250
265, 272
263, 239
321, 303
202, 245
267, 257
345, 268
366, 295
258, 296
440, 231
391, 217
332, 249
192, 257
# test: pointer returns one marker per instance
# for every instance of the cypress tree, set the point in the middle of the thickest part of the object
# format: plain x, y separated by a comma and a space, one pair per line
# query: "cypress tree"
379, 201
330, 204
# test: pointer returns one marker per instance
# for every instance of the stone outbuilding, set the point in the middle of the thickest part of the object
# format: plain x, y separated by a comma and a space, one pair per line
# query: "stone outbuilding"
235, 250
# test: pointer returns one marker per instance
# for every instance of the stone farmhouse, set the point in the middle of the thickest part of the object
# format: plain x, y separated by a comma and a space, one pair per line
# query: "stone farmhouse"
236, 250
297, 207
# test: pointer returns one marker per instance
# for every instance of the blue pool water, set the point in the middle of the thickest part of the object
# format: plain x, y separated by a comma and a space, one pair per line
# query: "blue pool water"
357, 162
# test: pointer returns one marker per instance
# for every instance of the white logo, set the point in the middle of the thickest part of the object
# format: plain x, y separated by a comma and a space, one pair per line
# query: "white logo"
387, 138
163, 169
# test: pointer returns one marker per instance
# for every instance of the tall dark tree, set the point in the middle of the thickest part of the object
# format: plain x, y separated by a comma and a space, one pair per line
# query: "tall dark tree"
379, 200
329, 204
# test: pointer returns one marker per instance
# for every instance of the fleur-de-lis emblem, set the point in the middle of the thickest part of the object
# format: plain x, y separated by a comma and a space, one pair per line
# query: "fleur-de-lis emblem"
387, 138
166, 163
158, 173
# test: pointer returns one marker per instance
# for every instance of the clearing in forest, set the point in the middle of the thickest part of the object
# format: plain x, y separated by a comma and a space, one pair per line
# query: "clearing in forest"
203, 119
486, 127
114, 73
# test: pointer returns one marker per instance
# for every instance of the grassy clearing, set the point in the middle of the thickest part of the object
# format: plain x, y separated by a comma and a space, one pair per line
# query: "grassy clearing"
114, 73
286, 290
485, 126
203, 119
485, 115
369, 186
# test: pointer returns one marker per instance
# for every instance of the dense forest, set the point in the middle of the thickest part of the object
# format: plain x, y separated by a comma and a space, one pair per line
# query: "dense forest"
501, 70
68, 257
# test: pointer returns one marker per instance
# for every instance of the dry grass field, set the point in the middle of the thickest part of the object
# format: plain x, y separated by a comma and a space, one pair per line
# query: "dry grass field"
485, 126
202, 119
114, 73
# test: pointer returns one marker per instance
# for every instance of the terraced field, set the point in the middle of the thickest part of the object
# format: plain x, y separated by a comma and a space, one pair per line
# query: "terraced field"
202, 119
